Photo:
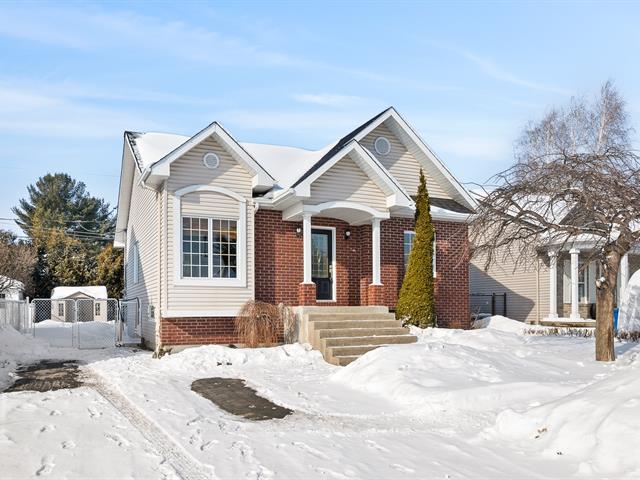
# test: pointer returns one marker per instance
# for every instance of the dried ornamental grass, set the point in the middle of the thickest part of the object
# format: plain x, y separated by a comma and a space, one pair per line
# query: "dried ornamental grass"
258, 323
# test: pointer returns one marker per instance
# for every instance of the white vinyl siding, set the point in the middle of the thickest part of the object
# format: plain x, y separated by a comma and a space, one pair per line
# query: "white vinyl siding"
527, 286
345, 180
402, 164
190, 171
143, 237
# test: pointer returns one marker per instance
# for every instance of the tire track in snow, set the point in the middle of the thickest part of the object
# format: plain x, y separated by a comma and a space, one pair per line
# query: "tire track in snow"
187, 467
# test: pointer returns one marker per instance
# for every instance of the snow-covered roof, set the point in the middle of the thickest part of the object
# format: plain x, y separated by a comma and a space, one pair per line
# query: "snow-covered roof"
287, 164
152, 146
99, 292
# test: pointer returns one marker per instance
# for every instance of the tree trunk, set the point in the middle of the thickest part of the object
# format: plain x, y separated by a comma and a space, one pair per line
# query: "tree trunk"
605, 351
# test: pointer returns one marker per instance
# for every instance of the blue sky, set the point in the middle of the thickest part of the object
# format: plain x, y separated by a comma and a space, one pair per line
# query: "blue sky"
466, 75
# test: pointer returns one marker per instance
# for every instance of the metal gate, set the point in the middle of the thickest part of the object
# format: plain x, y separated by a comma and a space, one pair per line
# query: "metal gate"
86, 323
130, 330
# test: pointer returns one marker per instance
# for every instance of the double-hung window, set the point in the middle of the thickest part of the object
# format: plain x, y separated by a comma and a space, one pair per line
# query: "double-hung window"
408, 245
209, 248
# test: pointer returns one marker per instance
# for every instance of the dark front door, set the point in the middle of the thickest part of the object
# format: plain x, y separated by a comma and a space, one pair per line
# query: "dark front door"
322, 263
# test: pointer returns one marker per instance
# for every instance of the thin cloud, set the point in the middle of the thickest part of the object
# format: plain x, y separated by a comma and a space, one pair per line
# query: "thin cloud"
328, 99
493, 70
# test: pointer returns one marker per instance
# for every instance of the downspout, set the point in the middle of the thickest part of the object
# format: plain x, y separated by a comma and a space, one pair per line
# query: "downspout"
158, 312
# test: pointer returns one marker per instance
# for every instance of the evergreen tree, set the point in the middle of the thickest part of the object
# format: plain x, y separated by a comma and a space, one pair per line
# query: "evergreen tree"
416, 303
110, 270
68, 227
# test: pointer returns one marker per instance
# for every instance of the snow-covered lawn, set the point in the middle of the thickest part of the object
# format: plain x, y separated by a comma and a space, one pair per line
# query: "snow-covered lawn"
459, 404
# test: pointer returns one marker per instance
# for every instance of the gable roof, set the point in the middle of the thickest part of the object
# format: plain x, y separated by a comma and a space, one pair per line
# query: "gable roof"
154, 152
98, 292
337, 147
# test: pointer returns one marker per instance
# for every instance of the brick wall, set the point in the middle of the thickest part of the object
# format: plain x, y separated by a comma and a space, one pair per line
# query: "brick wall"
279, 263
197, 330
452, 268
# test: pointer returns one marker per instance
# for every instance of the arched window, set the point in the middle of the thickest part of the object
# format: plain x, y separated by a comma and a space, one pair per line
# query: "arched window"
210, 236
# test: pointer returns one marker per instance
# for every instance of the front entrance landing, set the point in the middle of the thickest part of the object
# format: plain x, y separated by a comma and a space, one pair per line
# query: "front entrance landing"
344, 334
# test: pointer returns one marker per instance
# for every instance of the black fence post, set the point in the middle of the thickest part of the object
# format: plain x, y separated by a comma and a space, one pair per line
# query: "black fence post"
493, 304
504, 307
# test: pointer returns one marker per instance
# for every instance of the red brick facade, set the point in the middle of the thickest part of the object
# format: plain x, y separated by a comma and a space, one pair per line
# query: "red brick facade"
197, 330
279, 273
279, 264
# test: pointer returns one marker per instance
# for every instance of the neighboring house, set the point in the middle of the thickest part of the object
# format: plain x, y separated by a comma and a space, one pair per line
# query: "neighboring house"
63, 305
555, 287
13, 291
208, 223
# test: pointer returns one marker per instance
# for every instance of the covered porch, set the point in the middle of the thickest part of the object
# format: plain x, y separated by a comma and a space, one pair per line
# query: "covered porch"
341, 251
572, 286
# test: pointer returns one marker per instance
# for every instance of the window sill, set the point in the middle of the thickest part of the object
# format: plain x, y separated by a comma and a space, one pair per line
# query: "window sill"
211, 282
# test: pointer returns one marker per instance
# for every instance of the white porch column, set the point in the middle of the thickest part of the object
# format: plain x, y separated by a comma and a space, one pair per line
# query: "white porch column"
306, 246
575, 311
624, 275
553, 284
375, 251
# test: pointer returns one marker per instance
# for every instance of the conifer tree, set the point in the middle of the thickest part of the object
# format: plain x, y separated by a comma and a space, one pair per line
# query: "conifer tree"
416, 304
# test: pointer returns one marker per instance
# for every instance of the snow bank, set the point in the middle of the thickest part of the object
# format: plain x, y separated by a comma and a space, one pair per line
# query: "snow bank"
498, 322
598, 425
15, 349
208, 357
629, 315
456, 370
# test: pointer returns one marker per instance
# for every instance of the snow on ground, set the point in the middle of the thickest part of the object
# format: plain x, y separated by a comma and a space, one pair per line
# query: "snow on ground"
458, 404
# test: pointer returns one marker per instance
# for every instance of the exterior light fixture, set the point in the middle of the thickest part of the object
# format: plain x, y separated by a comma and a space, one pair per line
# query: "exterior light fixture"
347, 234
298, 231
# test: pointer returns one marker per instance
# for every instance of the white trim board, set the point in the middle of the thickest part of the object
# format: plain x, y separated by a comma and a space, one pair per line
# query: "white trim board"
334, 281
241, 256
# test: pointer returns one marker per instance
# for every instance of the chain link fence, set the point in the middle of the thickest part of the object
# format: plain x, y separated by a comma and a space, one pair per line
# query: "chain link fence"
85, 323
130, 331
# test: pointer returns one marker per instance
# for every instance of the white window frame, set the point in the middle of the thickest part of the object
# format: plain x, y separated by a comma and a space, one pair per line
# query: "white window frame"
136, 263
433, 260
334, 279
241, 246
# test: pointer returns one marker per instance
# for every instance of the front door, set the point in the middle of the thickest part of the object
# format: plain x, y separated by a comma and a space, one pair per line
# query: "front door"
322, 263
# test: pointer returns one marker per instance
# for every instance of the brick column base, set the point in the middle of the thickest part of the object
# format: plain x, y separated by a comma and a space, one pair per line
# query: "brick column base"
307, 294
375, 295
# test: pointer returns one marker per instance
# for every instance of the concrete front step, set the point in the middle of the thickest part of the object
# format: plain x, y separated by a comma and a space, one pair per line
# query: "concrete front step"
313, 317
345, 360
333, 324
368, 340
568, 323
350, 350
362, 332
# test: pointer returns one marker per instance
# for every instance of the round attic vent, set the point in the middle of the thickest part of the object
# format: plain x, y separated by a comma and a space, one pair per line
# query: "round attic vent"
382, 146
211, 160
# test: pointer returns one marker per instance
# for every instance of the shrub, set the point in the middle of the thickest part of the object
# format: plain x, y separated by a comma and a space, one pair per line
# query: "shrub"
416, 304
259, 323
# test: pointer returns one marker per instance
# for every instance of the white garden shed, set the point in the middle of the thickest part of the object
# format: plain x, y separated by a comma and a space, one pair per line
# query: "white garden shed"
62, 299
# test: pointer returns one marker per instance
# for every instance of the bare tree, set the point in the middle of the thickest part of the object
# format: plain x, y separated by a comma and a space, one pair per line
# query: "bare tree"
576, 180
17, 262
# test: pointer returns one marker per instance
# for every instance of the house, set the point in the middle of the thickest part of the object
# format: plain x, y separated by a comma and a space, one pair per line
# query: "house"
92, 307
13, 289
556, 286
208, 223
